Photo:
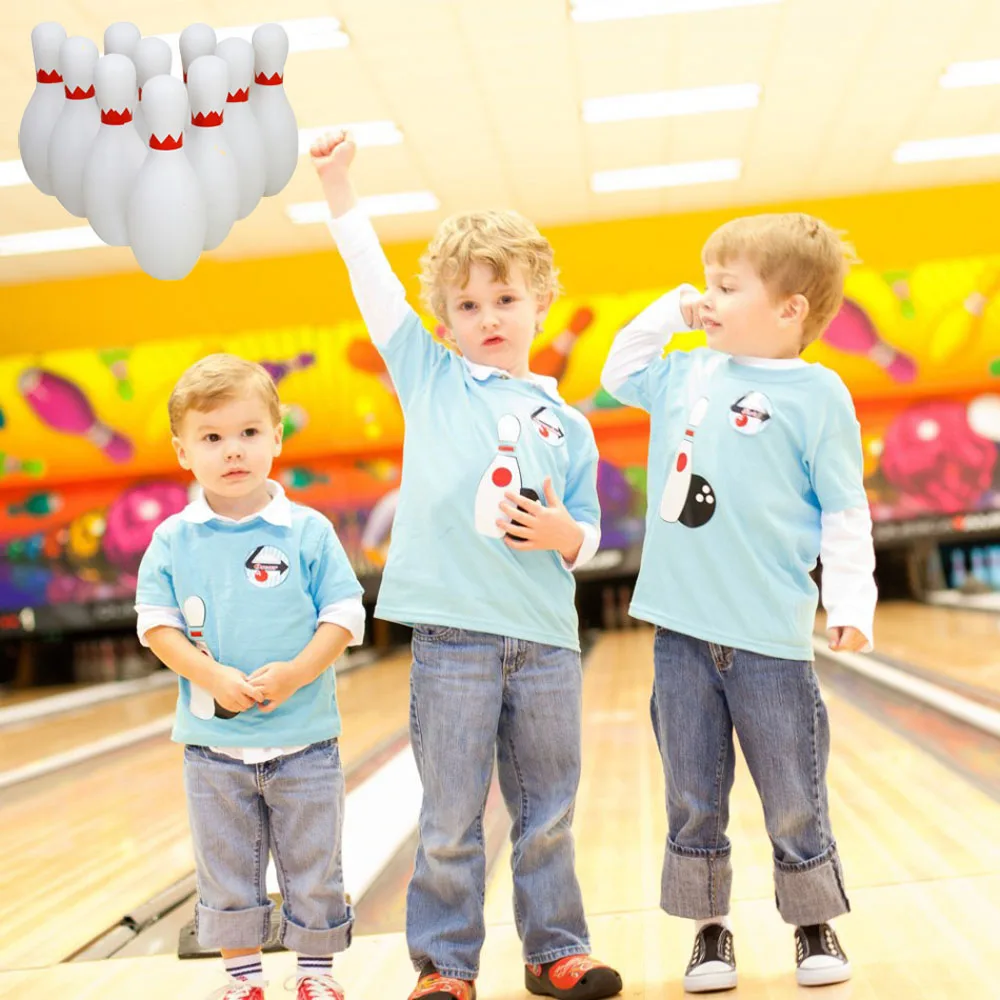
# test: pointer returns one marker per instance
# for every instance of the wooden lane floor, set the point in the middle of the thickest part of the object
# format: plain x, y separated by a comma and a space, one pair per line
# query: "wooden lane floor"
29, 742
961, 645
84, 846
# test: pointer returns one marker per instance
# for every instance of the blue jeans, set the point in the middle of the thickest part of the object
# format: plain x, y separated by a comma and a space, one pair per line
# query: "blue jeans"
292, 806
701, 692
474, 696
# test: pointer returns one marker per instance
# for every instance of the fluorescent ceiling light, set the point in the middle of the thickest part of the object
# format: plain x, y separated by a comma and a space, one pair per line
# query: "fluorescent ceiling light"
956, 148
667, 103
305, 34
617, 10
365, 134
403, 203
665, 175
12, 173
49, 240
971, 74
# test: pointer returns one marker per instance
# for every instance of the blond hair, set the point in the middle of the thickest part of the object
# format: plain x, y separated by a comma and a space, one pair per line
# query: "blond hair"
499, 240
794, 254
217, 379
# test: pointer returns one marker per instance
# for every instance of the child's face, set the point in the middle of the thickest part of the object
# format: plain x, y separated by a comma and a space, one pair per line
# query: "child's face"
494, 322
740, 315
230, 449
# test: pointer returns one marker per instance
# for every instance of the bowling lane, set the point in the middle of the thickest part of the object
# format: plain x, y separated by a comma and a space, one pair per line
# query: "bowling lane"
900, 815
29, 742
84, 846
963, 646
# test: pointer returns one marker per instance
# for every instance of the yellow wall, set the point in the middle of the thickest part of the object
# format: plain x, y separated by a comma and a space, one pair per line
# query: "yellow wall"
890, 231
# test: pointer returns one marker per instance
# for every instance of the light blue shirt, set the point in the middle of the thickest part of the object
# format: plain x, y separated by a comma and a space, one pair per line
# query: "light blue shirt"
262, 582
440, 569
773, 449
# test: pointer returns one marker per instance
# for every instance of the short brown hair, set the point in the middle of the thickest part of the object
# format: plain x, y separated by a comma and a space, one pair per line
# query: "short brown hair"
794, 254
497, 239
217, 379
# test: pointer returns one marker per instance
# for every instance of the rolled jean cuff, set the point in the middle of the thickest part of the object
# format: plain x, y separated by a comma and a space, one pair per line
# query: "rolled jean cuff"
811, 892
233, 929
697, 882
316, 941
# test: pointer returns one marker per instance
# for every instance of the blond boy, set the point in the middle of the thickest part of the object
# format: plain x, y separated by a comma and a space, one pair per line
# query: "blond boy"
249, 599
483, 575
755, 469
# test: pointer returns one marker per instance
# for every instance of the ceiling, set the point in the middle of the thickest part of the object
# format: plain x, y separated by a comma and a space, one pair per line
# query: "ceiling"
488, 97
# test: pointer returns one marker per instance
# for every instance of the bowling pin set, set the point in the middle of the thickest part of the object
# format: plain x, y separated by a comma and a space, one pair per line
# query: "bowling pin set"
980, 562
162, 166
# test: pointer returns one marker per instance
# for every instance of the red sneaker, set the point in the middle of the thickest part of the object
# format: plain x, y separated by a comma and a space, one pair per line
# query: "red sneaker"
319, 988
238, 989
576, 977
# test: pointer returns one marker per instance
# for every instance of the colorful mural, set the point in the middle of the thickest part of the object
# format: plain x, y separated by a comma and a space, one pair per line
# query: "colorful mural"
87, 471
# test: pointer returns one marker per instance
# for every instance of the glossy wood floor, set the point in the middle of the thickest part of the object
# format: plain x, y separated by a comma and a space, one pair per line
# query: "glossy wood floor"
919, 844
84, 846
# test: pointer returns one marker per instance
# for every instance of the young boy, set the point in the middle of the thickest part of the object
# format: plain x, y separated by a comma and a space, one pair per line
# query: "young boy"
250, 598
755, 469
483, 575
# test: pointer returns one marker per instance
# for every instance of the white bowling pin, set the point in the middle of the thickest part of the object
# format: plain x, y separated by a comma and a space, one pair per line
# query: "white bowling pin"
166, 216
502, 476
269, 103
240, 126
76, 127
152, 57
195, 40
202, 703
117, 153
207, 149
678, 484
121, 38
45, 104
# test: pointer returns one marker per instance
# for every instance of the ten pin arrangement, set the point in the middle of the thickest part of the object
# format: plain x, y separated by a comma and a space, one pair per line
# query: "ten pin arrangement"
162, 166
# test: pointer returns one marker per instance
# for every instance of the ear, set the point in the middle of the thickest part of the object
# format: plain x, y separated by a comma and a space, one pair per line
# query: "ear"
279, 436
447, 336
795, 309
543, 303
182, 458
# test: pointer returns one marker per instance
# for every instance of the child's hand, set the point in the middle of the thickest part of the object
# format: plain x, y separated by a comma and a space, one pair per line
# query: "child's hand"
691, 309
332, 156
275, 683
232, 690
548, 526
844, 638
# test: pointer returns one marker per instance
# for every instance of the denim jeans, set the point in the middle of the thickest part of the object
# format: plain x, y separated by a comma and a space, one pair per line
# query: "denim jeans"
473, 697
292, 806
701, 692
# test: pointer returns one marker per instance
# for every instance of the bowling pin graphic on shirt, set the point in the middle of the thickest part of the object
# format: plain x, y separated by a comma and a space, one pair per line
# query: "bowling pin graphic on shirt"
240, 124
152, 58
76, 127
45, 105
117, 153
167, 219
203, 705
679, 479
270, 106
502, 476
207, 148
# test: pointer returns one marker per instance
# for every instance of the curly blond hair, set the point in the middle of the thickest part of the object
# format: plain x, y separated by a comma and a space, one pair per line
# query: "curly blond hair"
217, 379
499, 240
794, 254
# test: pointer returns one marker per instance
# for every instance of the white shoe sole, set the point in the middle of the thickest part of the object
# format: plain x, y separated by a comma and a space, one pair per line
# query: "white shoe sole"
710, 982
823, 977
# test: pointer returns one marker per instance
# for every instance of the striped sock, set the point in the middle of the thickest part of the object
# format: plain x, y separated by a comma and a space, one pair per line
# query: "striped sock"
248, 967
314, 965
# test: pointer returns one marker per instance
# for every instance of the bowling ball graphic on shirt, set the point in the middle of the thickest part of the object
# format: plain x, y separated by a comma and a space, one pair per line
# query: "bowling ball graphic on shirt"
700, 504
750, 413
266, 567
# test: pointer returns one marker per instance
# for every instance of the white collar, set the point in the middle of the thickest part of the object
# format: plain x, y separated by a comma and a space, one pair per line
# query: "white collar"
786, 363
546, 383
278, 512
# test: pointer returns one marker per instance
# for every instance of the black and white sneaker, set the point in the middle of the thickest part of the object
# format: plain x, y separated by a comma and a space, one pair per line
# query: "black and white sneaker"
818, 956
713, 961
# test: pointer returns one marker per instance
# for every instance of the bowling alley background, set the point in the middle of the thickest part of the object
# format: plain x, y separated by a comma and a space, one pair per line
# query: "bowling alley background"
87, 470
